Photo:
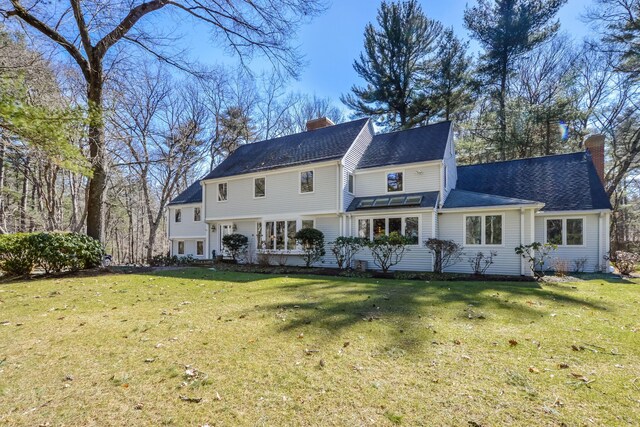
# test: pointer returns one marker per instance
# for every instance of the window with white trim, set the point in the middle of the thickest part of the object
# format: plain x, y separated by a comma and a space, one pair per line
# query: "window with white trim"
350, 183
180, 247
259, 187
564, 231
197, 215
178, 215
199, 247
222, 192
370, 228
306, 182
394, 181
483, 230
279, 235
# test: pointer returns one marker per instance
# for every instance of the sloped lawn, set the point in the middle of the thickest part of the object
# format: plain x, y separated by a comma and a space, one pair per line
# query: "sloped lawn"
195, 347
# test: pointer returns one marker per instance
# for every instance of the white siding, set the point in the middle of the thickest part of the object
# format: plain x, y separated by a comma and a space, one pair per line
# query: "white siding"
571, 253
187, 227
189, 247
282, 194
416, 258
506, 262
416, 178
351, 159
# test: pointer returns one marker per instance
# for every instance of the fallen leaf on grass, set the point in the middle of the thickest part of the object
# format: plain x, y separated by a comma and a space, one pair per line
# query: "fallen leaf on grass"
309, 351
563, 366
534, 370
346, 344
149, 360
190, 399
138, 406
513, 343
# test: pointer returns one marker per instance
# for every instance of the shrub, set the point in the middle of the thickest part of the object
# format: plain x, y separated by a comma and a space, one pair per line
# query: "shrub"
579, 264
536, 255
236, 244
16, 256
312, 242
481, 262
445, 253
53, 252
625, 262
171, 260
560, 267
388, 251
345, 248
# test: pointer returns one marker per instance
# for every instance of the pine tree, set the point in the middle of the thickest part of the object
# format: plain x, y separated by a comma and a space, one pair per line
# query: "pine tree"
393, 64
451, 88
506, 30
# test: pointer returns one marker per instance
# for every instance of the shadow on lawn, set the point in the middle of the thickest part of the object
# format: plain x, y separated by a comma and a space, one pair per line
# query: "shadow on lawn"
335, 303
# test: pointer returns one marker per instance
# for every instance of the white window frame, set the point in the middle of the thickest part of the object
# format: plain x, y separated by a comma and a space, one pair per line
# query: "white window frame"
483, 224
564, 230
386, 218
298, 222
199, 241
194, 214
254, 187
178, 247
226, 183
313, 172
386, 182
175, 216
351, 177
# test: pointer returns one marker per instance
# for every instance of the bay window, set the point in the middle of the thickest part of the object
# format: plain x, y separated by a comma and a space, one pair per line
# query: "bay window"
370, 228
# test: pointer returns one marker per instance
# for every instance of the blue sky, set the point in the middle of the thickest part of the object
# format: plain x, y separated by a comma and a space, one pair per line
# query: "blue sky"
332, 41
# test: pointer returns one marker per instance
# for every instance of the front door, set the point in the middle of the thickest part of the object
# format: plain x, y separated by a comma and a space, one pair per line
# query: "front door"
225, 230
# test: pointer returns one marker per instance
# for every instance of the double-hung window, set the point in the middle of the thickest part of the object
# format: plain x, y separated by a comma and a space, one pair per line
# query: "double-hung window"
306, 182
483, 230
350, 183
180, 247
197, 215
565, 231
222, 192
394, 181
199, 247
259, 189
178, 215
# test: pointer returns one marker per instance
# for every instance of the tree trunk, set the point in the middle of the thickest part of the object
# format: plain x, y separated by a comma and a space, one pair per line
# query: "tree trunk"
3, 218
98, 181
24, 197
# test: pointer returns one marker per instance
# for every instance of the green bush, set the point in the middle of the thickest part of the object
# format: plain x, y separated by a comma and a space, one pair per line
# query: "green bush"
16, 256
344, 248
171, 260
53, 252
236, 244
312, 242
388, 250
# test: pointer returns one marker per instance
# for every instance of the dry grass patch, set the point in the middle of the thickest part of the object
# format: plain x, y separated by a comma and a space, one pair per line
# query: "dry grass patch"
195, 347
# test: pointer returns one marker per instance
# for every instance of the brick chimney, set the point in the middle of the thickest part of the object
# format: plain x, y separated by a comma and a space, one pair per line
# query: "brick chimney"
594, 143
319, 123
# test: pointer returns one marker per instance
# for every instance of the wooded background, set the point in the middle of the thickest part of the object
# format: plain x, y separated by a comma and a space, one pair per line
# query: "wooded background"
102, 123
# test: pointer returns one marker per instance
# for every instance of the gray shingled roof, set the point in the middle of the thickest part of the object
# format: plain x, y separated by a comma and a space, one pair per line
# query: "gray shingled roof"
429, 200
562, 182
328, 143
407, 146
467, 199
193, 194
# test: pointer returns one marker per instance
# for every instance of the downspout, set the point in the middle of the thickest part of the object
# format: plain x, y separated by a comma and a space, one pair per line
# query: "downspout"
204, 219
600, 240
522, 239
169, 231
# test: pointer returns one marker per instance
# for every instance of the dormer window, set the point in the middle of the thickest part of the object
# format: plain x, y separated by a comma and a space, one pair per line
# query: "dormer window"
394, 181
178, 215
306, 182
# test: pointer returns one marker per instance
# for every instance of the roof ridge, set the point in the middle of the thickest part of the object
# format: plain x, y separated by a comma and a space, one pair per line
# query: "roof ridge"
524, 158
301, 133
415, 128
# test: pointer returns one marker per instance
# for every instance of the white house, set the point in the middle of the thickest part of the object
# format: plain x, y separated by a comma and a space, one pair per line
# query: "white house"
346, 180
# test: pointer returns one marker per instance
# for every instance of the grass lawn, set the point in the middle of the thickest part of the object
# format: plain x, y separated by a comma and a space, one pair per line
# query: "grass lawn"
196, 347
